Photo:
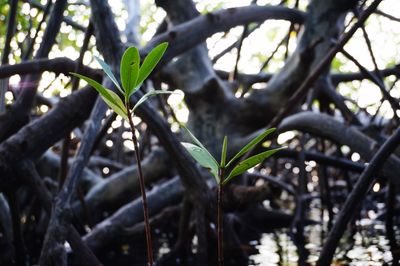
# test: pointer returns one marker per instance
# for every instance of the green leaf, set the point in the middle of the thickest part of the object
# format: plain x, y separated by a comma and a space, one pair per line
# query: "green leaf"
249, 163
194, 139
203, 157
198, 143
151, 61
223, 152
129, 70
117, 105
148, 95
251, 144
110, 97
107, 69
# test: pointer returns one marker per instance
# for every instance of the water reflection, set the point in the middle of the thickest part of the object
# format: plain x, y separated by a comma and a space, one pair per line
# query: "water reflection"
368, 246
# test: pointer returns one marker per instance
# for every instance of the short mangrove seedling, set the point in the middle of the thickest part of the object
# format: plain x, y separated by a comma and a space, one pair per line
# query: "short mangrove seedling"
219, 170
132, 76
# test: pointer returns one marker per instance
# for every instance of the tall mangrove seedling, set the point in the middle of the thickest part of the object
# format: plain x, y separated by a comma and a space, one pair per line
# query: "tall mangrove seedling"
220, 170
132, 74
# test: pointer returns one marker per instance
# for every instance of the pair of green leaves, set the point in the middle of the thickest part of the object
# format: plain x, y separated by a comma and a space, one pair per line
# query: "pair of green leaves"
132, 76
205, 159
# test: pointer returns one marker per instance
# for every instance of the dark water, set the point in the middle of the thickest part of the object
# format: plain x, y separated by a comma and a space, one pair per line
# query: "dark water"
364, 243
368, 246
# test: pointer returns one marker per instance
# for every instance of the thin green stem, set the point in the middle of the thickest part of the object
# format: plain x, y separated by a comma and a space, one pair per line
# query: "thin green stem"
219, 217
142, 188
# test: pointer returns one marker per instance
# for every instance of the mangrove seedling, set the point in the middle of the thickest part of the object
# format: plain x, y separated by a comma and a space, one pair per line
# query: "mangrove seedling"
132, 74
219, 170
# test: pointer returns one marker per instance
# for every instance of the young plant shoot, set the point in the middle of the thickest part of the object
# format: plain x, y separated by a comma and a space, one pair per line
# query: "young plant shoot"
219, 170
132, 76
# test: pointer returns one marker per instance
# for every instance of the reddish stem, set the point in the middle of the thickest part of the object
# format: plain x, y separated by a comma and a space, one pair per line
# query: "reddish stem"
219, 218
142, 189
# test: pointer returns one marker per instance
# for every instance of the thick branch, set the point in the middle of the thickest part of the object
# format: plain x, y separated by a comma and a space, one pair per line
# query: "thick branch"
114, 228
57, 65
189, 34
35, 138
360, 190
327, 127
58, 226
119, 188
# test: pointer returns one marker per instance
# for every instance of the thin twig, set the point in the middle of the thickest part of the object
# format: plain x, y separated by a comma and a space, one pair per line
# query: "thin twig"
386, 15
32, 41
393, 102
233, 45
